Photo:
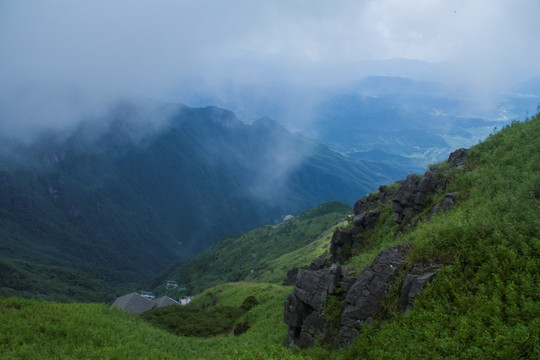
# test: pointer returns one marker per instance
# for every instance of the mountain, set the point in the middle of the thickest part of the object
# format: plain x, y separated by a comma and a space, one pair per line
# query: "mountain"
123, 197
419, 121
479, 224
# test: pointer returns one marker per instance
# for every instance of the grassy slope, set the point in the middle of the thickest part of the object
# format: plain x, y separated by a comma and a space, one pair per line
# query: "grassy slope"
93, 331
483, 304
486, 302
277, 248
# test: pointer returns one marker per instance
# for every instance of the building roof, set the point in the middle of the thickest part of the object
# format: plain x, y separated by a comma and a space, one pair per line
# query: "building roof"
134, 303
165, 301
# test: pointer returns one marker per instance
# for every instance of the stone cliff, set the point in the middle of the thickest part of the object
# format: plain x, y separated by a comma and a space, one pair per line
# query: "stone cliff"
331, 305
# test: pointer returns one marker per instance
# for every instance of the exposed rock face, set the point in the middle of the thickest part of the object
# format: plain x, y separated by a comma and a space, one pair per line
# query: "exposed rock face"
341, 240
364, 298
304, 308
458, 157
412, 192
291, 276
319, 263
414, 283
404, 198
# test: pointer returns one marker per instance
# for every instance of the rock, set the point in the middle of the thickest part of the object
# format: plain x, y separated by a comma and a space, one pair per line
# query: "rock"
290, 279
314, 323
366, 219
364, 204
319, 263
295, 311
414, 283
427, 184
448, 201
364, 297
403, 201
458, 157
304, 307
312, 287
340, 240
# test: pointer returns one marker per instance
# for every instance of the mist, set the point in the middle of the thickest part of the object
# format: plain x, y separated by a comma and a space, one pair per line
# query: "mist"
65, 61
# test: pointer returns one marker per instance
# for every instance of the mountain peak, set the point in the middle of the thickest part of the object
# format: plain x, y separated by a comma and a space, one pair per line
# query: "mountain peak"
222, 117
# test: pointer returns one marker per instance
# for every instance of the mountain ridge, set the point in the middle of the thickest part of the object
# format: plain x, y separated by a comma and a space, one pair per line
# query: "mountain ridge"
124, 199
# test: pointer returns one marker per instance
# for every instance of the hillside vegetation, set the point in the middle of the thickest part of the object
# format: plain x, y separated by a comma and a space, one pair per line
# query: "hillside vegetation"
484, 302
264, 254
123, 202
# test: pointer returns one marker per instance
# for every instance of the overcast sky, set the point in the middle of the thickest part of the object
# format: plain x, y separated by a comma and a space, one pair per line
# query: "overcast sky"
91, 51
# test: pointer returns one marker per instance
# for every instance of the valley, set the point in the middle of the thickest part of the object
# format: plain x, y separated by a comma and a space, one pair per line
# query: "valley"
482, 302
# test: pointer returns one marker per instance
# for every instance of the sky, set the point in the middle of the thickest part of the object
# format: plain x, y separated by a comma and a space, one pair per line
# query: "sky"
60, 60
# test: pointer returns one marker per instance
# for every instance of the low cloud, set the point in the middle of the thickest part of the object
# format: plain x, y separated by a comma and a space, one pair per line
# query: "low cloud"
61, 61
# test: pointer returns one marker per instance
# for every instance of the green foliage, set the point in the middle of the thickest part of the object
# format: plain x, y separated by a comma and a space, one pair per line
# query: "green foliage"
332, 315
24, 279
125, 205
249, 303
373, 241
295, 242
485, 302
94, 331
193, 320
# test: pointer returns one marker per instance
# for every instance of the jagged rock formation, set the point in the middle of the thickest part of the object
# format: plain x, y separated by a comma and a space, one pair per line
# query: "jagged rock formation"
304, 308
414, 282
362, 296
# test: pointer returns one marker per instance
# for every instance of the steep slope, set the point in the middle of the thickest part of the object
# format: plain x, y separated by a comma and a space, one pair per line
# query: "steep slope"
123, 197
456, 283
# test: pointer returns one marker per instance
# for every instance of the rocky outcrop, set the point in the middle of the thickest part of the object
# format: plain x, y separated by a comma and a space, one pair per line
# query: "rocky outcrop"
340, 246
362, 297
304, 307
414, 283
363, 300
458, 158
292, 274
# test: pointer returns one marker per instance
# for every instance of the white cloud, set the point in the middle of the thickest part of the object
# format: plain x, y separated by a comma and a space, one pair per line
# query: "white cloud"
105, 49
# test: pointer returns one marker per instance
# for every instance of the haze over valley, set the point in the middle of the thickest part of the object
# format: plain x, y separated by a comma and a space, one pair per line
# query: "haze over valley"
356, 177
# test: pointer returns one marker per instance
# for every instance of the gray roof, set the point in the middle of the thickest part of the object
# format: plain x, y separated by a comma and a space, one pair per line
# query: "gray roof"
134, 302
165, 301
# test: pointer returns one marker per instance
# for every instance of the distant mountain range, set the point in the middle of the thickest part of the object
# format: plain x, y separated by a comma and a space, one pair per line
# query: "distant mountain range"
420, 122
123, 200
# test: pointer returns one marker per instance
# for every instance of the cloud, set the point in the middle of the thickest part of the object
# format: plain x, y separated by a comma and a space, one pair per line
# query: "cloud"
59, 58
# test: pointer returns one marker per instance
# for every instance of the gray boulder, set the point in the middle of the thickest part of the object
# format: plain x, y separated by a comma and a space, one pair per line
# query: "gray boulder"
363, 299
304, 307
414, 282
458, 157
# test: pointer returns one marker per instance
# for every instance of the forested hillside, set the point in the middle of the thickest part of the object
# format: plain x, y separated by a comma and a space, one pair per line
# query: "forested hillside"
115, 201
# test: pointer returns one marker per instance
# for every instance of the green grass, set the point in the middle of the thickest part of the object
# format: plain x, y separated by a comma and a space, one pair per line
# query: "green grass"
50, 330
486, 302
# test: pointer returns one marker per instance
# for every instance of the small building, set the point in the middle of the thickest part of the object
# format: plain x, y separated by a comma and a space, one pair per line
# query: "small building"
165, 301
134, 303
184, 300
